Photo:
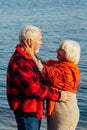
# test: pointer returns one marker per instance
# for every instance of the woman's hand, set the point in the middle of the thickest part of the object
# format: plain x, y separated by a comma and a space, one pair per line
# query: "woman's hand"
28, 48
30, 51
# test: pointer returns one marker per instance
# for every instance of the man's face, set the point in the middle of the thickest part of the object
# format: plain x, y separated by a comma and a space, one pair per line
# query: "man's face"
37, 42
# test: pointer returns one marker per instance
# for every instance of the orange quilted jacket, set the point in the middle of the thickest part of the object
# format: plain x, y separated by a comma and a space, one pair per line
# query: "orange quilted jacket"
63, 76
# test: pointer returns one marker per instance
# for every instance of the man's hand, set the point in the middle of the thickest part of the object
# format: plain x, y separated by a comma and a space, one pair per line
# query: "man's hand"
65, 96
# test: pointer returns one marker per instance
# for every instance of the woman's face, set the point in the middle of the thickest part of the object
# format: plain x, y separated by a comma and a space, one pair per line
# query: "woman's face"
60, 53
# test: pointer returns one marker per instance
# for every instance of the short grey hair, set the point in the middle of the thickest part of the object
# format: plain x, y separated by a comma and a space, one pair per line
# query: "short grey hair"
29, 32
72, 50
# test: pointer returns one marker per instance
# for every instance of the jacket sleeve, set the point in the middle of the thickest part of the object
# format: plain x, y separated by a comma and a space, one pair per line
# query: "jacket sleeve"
54, 76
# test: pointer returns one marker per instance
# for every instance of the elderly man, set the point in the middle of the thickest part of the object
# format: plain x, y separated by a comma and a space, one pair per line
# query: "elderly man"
26, 89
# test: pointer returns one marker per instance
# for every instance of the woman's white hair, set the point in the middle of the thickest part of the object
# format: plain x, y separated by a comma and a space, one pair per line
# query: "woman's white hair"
29, 32
72, 50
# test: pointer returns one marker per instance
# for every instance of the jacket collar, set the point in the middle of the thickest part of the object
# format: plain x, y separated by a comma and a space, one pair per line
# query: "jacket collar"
22, 52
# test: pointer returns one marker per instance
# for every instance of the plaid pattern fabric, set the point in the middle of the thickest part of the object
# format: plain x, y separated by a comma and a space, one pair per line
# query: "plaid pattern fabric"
25, 91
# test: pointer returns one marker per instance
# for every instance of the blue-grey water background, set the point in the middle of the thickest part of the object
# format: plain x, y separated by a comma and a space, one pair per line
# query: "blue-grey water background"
58, 20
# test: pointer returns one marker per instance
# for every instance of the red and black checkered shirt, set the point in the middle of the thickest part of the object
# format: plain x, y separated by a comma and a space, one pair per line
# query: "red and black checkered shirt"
25, 87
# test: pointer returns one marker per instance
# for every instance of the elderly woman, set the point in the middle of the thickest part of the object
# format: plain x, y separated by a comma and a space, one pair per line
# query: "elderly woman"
63, 74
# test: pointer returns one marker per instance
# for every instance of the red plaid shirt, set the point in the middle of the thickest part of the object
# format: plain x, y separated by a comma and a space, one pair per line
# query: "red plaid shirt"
25, 89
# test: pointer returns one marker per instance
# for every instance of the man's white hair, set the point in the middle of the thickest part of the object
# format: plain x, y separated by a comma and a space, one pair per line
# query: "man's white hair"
72, 50
29, 32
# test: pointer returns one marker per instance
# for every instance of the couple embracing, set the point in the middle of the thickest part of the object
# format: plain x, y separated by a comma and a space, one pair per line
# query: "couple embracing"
31, 80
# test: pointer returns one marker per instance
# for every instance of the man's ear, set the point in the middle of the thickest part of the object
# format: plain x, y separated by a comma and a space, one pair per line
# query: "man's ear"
29, 42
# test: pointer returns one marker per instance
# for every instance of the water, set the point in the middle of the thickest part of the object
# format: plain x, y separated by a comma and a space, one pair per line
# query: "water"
58, 20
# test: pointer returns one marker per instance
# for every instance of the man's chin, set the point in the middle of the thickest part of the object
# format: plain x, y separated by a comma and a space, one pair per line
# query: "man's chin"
37, 51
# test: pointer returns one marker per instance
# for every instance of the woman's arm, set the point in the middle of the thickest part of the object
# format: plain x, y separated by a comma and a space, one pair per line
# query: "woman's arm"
30, 51
50, 73
42, 60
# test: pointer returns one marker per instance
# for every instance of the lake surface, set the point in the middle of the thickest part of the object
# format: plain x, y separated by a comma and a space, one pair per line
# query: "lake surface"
58, 20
